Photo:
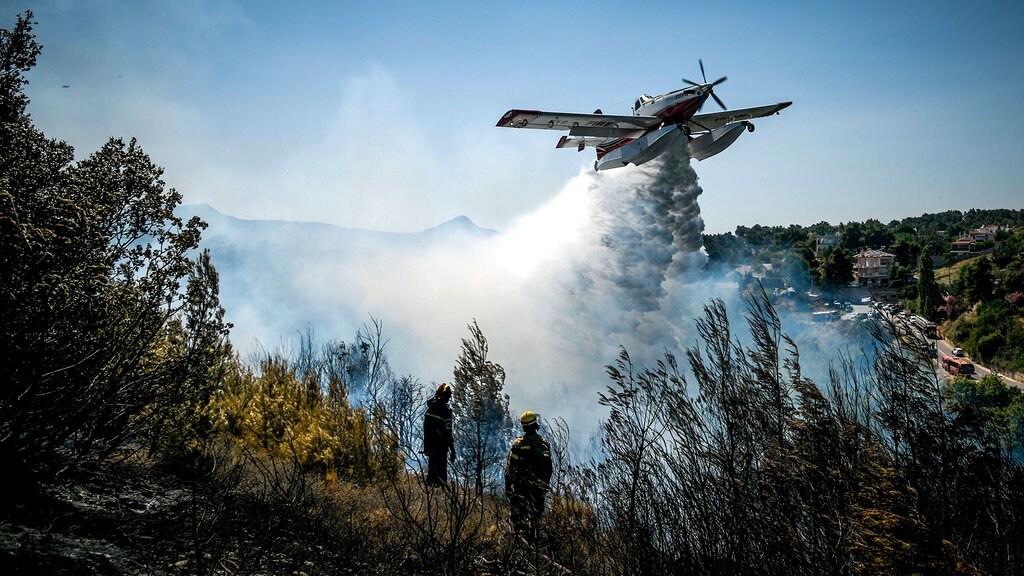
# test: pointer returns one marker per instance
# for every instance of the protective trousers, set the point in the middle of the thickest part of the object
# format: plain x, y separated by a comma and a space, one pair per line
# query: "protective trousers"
527, 508
437, 469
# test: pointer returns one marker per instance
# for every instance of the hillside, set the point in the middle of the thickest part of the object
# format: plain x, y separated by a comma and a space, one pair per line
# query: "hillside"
948, 274
277, 277
136, 440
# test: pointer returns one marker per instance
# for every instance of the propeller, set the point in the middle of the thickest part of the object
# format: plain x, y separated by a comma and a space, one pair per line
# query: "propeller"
710, 87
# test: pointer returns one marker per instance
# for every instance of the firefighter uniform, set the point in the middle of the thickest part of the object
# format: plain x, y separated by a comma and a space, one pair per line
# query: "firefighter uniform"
438, 442
527, 474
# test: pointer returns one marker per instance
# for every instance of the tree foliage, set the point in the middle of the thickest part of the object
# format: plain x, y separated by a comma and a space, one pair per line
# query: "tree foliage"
977, 280
759, 470
283, 409
855, 236
835, 268
102, 344
990, 294
929, 297
483, 425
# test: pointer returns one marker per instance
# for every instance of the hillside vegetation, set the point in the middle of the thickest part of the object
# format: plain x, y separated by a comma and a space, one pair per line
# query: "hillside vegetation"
978, 298
136, 441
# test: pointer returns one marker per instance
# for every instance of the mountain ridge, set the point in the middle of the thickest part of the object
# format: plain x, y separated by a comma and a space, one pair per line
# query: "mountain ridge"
278, 277
212, 215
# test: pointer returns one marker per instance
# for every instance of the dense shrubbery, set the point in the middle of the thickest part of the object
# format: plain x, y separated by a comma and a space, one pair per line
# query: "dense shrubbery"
988, 290
991, 286
102, 344
758, 469
287, 415
309, 462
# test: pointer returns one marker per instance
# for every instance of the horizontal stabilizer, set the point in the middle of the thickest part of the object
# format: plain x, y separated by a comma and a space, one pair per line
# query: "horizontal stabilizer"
578, 143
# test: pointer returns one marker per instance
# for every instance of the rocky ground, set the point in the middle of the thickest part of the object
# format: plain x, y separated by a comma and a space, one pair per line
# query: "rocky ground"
112, 523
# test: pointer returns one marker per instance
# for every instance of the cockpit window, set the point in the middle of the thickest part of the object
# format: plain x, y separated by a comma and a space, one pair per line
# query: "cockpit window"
643, 100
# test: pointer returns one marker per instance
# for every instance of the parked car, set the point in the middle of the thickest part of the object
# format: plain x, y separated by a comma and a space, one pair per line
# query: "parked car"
958, 351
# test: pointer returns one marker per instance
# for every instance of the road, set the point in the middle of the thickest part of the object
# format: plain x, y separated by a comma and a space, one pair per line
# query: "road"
944, 348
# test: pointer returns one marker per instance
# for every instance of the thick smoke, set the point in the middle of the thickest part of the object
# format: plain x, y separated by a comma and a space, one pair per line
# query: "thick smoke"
614, 260
645, 239
632, 277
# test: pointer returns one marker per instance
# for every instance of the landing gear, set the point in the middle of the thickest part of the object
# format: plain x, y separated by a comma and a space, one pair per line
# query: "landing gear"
750, 127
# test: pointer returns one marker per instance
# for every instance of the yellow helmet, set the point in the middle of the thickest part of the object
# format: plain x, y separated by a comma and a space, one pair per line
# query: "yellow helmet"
529, 418
444, 389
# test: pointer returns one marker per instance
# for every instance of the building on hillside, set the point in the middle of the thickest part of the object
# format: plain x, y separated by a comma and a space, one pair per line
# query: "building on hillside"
872, 267
969, 244
981, 235
988, 233
963, 245
824, 242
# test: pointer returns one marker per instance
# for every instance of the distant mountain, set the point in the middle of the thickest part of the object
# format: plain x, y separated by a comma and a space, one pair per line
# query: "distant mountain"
225, 227
279, 277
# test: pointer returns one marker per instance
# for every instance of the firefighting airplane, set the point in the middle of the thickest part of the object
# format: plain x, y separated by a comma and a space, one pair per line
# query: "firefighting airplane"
656, 124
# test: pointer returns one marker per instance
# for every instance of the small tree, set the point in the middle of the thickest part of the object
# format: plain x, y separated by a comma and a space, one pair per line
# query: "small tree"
978, 280
483, 425
929, 298
835, 268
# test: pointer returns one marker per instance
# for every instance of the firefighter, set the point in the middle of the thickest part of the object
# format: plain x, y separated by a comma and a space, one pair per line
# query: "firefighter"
437, 436
527, 474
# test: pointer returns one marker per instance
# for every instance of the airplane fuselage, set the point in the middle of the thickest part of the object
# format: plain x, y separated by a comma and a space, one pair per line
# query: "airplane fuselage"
675, 107
657, 123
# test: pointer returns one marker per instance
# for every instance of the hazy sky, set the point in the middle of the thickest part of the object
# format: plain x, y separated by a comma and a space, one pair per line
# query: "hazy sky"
381, 115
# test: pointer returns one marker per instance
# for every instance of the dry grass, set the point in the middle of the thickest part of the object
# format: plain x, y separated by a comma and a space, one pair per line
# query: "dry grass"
945, 276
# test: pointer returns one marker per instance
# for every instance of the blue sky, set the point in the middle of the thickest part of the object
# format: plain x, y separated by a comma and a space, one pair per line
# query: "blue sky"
381, 115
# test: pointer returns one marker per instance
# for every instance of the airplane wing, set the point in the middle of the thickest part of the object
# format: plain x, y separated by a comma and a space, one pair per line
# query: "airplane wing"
705, 122
584, 125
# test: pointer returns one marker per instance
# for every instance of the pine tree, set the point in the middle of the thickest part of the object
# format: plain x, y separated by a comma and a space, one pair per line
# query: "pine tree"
483, 425
929, 298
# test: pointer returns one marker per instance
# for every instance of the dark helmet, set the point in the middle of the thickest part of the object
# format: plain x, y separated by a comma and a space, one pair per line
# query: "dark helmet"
444, 391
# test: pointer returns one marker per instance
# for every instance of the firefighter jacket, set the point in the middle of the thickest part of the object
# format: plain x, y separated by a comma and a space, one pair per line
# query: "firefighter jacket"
529, 464
437, 427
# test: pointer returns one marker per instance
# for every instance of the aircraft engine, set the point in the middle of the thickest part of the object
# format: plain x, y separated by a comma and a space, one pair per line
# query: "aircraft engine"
717, 140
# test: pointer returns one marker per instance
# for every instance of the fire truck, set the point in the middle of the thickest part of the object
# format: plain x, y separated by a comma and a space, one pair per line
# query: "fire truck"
927, 327
957, 366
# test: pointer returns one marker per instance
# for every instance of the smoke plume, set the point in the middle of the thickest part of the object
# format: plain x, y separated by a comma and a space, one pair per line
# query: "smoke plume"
614, 260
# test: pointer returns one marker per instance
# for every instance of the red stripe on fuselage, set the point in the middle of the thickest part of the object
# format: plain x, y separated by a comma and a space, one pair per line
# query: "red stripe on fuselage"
677, 114
613, 145
682, 111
